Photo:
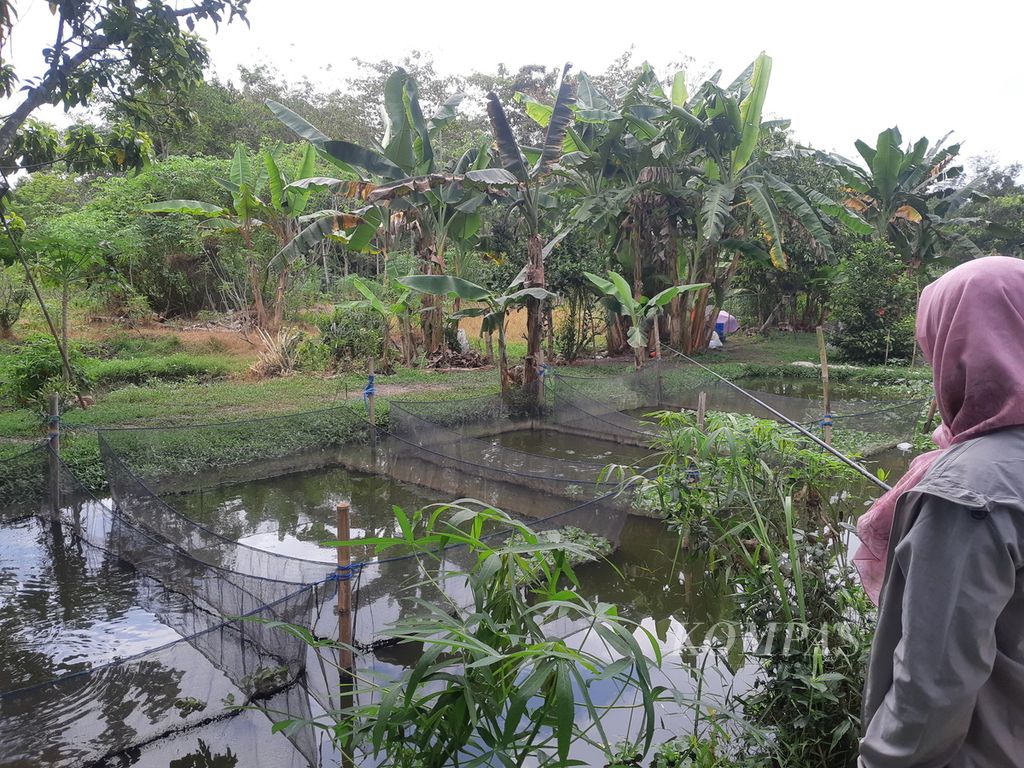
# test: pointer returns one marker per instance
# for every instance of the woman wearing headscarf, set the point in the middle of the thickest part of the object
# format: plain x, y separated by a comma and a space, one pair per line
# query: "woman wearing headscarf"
942, 553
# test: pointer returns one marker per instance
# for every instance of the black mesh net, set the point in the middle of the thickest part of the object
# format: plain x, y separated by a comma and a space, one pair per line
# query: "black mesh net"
22, 482
227, 653
616, 407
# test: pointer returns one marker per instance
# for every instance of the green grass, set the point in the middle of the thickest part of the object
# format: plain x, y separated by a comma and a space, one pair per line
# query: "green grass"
139, 370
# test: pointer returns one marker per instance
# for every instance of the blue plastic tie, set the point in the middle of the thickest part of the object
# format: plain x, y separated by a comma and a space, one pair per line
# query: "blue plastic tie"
826, 420
369, 390
345, 572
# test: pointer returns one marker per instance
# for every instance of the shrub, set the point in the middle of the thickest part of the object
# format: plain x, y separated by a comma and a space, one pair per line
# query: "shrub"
352, 333
873, 304
38, 371
13, 296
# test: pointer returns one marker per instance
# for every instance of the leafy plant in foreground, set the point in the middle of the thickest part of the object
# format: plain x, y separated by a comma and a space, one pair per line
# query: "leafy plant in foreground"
506, 672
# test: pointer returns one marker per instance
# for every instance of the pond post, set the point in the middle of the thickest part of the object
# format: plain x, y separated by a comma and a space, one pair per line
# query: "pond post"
371, 396
826, 421
344, 610
53, 438
930, 419
702, 409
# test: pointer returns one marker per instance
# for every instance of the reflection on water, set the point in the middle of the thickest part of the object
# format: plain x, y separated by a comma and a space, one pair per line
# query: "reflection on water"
291, 515
65, 606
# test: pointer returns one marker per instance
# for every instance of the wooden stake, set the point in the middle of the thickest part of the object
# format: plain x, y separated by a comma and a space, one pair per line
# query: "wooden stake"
53, 436
370, 404
702, 408
827, 402
932, 408
345, 658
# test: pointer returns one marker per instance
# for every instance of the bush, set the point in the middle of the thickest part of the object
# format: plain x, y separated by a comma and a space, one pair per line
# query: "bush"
13, 295
38, 371
873, 304
352, 334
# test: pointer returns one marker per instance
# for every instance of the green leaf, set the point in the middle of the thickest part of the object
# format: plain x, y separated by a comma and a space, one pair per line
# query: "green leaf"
750, 112
538, 112
565, 712
765, 211
274, 180
679, 94
298, 199
852, 221
399, 139
797, 205
716, 210
297, 124
886, 165
313, 235
444, 114
442, 285
190, 207
561, 118
508, 147
360, 157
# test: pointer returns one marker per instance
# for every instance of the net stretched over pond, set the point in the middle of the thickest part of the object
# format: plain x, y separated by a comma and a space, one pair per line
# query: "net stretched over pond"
22, 482
227, 653
618, 407
147, 467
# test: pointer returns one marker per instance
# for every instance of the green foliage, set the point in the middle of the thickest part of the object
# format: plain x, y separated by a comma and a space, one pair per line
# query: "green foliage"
352, 333
175, 367
496, 683
736, 462
37, 371
873, 305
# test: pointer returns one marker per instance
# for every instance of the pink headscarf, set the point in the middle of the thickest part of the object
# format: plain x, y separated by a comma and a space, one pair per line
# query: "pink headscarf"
970, 325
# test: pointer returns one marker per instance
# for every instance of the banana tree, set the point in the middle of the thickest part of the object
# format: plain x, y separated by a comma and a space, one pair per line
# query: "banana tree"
406, 175
390, 312
908, 196
733, 207
494, 311
261, 198
530, 182
640, 311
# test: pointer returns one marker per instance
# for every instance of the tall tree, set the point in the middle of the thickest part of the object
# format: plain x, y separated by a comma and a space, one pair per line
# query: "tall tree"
531, 177
116, 48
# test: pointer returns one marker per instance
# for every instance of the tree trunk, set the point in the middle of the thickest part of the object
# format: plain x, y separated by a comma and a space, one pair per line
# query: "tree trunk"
65, 298
433, 314
490, 347
502, 356
282, 286
534, 310
408, 349
550, 320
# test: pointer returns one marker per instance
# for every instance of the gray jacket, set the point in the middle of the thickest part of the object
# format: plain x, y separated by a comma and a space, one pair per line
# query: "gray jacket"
945, 685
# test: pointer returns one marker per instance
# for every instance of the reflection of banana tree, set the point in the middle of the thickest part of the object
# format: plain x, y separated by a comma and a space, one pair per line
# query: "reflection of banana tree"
407, 177
397, 310
639, 311
493, 313
282, 214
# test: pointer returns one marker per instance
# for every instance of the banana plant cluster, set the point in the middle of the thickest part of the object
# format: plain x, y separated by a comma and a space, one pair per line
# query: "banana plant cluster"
397, 310
641, 311
262, 197
907, 196
401, 179
495, 305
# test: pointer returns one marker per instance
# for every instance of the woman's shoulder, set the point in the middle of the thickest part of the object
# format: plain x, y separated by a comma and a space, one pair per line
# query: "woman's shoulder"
985, 471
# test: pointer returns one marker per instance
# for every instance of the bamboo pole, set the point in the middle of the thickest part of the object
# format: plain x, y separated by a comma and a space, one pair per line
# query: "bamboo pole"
826, 398
344, 610
702, 409
53, 436
371, 396
930, 419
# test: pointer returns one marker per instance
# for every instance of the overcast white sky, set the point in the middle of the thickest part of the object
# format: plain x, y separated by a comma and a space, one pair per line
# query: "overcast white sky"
841, 70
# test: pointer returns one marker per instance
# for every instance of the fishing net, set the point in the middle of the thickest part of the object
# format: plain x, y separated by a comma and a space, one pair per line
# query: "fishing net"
618, 407
227, 653
22, 482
